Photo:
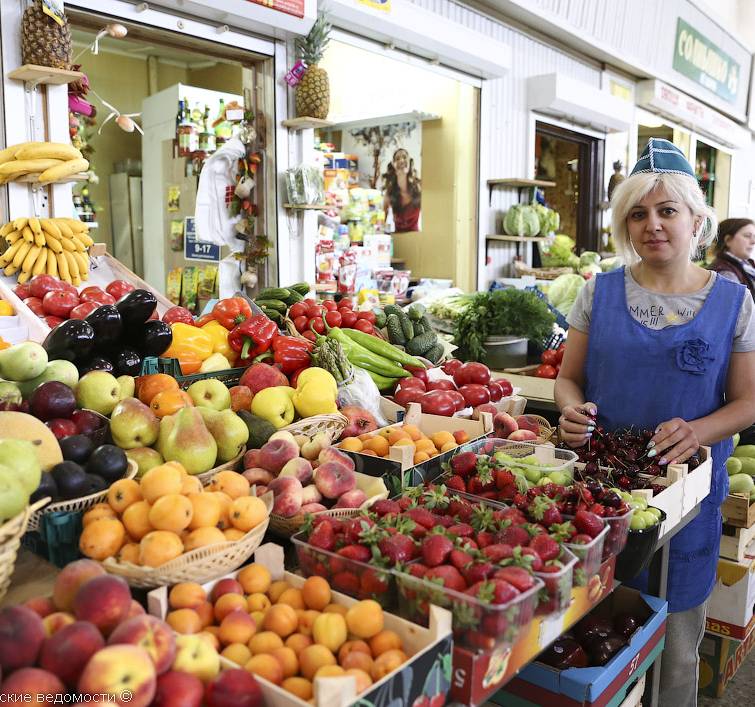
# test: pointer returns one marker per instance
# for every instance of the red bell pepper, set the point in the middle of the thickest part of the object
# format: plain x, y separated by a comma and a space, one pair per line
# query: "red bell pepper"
178, 314
292, 353
230, 312
252, 337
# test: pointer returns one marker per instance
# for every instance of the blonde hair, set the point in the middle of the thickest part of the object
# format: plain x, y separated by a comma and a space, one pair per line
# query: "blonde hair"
681, 187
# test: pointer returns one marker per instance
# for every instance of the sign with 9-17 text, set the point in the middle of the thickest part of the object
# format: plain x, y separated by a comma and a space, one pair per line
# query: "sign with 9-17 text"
195, 249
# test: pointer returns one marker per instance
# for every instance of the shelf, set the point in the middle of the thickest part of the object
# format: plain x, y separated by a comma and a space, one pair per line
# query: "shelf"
33, 178
32, 73
521, 183
306, 123
308, 207
415, 116
517, 239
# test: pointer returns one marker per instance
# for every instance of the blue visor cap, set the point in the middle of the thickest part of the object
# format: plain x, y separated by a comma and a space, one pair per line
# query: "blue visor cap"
662, 156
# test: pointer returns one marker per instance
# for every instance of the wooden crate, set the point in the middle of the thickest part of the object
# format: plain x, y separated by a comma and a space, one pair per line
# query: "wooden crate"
738, 511
531, 387
734, 542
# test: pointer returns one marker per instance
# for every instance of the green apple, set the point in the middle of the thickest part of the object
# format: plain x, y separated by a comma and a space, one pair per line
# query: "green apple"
128, 386
13, 496
10, 394
133, 424
98, 391
210, 393
20, 459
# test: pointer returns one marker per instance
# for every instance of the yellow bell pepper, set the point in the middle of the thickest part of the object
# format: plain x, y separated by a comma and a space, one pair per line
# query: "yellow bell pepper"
5, 309
316, 392
220, 343
189, 344
3, 344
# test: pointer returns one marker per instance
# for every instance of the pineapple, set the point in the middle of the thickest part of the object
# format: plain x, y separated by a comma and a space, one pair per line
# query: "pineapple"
313, 91
43, 41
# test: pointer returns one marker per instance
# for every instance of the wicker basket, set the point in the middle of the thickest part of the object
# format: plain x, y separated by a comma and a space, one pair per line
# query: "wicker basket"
546, 430
522, 268
206, 476
332, 425
77, 504
10, 539
200, 565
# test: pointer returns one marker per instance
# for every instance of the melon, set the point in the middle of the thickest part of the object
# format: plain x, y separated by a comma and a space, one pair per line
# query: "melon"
741, 483
745, 450
19, 425
733, 466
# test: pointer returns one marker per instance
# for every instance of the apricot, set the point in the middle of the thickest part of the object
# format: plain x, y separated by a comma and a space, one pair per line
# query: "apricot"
420, 457
359, 660
136, 520
158, 547
362, 678
395, 434
365, 618
161, 481
441, 438
351, 444
206, 509
230, 483
299, 687
276, 589
330, 631
369, 452
307, 620
335, 609
206, 613
255, 579
387, 663
288, 660
149, 386
102, 538
292, 597
258, 616
228, 603
266, 666
191, 484
461, 437
264, 642
202, 537
413, 431
330, 671
316, 593
424, 445
298, 642
237, 653
97, 512
353, 647
186, 595
448, 446
184, 621
247, 512
384, 641
225, 510
169, 402
281, 619
365, 436
379, 445
258, 602
233, 534
314, 657
237, 627
128, 553
123, 493
172, 512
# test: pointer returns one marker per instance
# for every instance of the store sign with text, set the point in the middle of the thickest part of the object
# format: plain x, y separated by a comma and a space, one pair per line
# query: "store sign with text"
290, 7
697, 58
195, 249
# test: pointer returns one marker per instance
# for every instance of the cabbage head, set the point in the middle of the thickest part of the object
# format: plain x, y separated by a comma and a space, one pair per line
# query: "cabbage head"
608, 264
589, 257
587, 271
521, 220
563, 291
558, 253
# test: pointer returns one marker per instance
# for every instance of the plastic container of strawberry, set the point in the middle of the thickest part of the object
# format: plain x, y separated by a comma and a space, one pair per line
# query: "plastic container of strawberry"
477, 626
556, 594
356, 579
618, 531
551, 458
589, 556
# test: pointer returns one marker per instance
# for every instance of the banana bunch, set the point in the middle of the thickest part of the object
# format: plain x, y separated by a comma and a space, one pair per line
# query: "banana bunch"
52, 246
53, 161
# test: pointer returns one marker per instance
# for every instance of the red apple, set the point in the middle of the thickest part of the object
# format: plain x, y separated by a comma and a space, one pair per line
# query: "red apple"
35, 305
413, 382
361, 421
472, 373
405, 395
496, 391
62, 428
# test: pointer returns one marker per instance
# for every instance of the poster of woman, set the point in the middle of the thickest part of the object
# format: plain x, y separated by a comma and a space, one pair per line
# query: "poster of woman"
402, 191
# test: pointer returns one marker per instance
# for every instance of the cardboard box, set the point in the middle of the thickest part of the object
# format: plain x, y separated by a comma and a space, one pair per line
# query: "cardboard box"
732, 604
720, 658
539, 684
424, 676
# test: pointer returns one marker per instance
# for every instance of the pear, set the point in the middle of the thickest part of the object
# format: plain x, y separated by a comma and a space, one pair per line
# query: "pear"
145, 458
13, 496
61, 371
133, 424
23, 361
228, 429
20, 458
98, 391
127, 385
10, 395
184, 438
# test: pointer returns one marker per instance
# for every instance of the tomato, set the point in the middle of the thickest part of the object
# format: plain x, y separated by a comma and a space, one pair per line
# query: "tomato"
475, 394
450, 367
420, 373
549, 357
52, 322
297, 310
472, 373
98, 296
310, 335
313, 311
441, 385
59, 303
439, 402
177, 314
333, 318
415, 383
317, 324
506, 386
330, 305
348, 318
40, 285
345, 302
404, 396
22, 291
83, 310
309, 300
364, 325
561, 350
369, 316
118, 288
496, 391
546, 371
301, 323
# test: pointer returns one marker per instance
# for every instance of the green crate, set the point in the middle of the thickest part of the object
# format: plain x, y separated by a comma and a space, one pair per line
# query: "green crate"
172, 367
57, 539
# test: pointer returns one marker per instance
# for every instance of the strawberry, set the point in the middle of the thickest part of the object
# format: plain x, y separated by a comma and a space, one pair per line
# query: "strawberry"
588, 523
598, 509
532, 558
494, 591
323, 536
514, 515
520, 501
563, 532
450, 577
508, 492
354, 527
360, 553
419, 532
516, 576
404, 502
421, 516
544, 510
477, 572
494, 623
460, 508
464, 464
443, 521
485, 538
456, 483
346, 582
514, 535
581, 539
460, 559
468, 544
546, 547
417, 569
498, 552
372, 582
478, 641
461, 530
436, 549
386, 506
475, 486
397, 548
503, 478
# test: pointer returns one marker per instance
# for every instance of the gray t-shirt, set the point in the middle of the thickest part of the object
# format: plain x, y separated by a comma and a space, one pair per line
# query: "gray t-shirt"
657, 310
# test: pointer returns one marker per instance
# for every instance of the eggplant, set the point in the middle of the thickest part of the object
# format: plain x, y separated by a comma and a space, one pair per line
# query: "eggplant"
127, 362
136, 307
601, 651
592, 628
72, 340
153, 338
626, 624
565, 653
98, 363
107, 325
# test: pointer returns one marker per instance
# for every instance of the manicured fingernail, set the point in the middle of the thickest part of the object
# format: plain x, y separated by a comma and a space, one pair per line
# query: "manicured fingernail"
588, 434
658, 429
663, 461
593, 411
652, 453
650, 444
673, 461
591, 428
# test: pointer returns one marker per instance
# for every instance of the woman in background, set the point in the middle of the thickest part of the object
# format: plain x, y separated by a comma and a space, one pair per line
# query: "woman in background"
733, 250
402, 192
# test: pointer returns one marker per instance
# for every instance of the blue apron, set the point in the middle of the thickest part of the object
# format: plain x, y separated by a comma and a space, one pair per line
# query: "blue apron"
642, 377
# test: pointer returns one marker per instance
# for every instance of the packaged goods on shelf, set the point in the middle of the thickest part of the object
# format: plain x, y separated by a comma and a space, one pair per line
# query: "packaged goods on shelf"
720, 659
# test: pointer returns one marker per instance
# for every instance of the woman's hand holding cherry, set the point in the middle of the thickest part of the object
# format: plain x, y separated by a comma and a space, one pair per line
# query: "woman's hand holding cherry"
674, 442
577, 423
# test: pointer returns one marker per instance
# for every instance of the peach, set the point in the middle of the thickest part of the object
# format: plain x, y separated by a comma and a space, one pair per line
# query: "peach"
335, 609
333, 479
503, 425
196, 656
67, 652
172, 512
236, 627
206, 613
228, 603
281, 619
186, 595
151, 634
56, 621
251, 459
202, 537
104, 601
97, 512
300, 687
365, 618
331, 454
316, 593
247, 513
41, 606
17, 623
136, 609
191, 484
298, 468
357, 646
206, 507
225, 586
160, 481
118, 669
523, 436
184, 621
233, 534
485, 407
33, 686
313, 508
314, 657
275, 453
330, 631
298, 642
260, 491
288, 660
102, 538
288, 495
359, 660
129, 552
461, 436
178, 689
209, 636
158, 547
258, 602
362, 678
264, 642
136, 520
254, 579
257, 476
293, 597
330, 671
527, 422
384, 641
234, 688
237, 653
307, 620
387, 663
266, 666
230, 483
123, 493
310, 494
351, 499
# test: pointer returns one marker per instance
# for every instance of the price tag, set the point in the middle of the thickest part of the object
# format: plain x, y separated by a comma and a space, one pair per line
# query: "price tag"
195, 249
550, 629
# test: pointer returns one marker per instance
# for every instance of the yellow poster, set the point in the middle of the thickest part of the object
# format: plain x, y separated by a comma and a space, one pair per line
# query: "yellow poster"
384, 5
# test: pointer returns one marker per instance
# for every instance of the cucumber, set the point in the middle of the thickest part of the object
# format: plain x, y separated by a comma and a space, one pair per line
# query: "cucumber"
380, 318
272, 304
426, 323
392, 309
293, 297
395, 331
280, 293
406, 325
421, 344
435, 353
416, 312
302, 288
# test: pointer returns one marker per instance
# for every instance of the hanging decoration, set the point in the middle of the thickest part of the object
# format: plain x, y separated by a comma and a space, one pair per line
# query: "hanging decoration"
122, 120
114, 30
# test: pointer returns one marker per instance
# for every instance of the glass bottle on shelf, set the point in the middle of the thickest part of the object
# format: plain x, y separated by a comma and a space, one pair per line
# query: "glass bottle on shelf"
223, 129
206, 136
187, 132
